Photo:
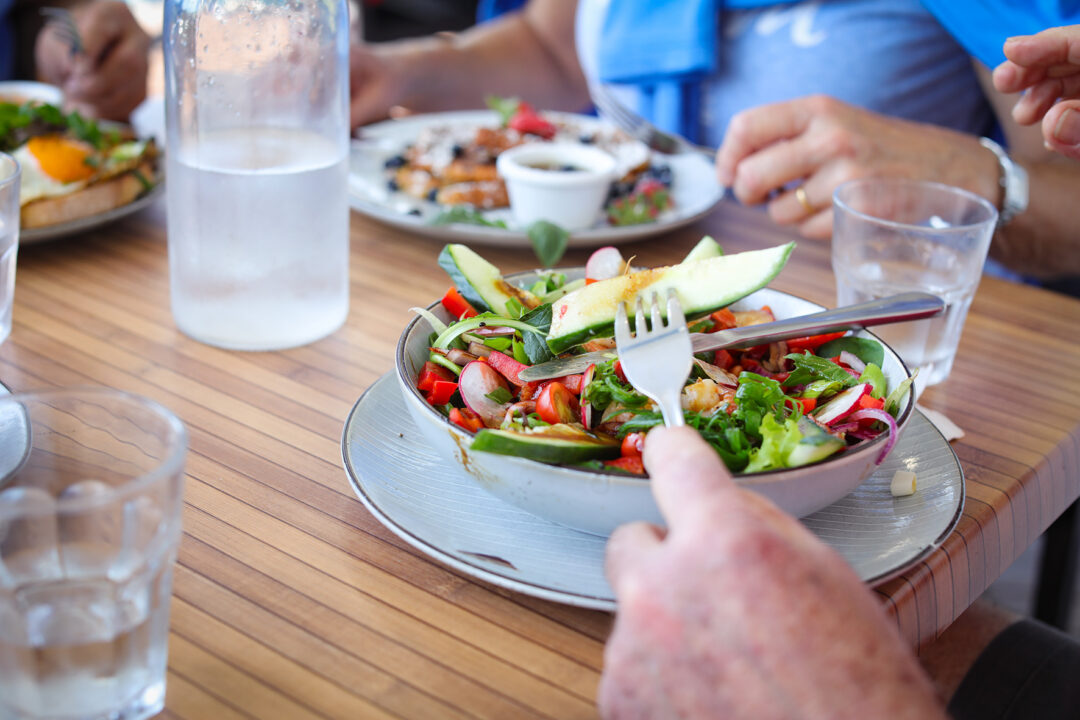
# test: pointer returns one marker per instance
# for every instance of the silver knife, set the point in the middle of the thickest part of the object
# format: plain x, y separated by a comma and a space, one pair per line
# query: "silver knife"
895, 308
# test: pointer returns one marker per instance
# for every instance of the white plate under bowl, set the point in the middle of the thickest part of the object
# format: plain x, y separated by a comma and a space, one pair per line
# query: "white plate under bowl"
694, 187
435, 507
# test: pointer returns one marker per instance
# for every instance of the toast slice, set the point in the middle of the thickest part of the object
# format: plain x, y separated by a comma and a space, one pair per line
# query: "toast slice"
92, 200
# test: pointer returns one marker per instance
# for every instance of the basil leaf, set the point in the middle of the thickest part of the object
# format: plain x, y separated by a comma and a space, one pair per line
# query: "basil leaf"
549, 241
535, 344
500, 395
809, 368
505, 107
867, 350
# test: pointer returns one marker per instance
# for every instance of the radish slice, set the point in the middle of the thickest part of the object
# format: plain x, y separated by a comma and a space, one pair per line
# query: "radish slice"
852, 360
842, 405
605, 263
874, 414
586, 408
476, 382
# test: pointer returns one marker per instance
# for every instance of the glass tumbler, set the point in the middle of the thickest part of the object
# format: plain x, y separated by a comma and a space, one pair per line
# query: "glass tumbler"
90, 495
257, 126
9, 238
895, 235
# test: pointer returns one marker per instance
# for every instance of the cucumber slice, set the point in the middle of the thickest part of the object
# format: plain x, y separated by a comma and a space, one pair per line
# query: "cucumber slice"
701, 285
815, 445
706, 248
556, 444
481, 283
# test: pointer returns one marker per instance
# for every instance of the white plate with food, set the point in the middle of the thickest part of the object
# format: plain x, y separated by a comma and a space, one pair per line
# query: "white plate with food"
76, 174
439, 509
20, 91
412, 172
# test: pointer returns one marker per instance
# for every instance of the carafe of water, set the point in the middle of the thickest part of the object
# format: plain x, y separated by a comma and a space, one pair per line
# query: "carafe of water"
257, 125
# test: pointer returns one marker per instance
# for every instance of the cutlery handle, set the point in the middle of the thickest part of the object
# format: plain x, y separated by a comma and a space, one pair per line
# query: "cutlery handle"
895, 308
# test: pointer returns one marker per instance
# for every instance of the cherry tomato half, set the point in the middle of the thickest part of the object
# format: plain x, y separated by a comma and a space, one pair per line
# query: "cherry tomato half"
633, 445
556, 404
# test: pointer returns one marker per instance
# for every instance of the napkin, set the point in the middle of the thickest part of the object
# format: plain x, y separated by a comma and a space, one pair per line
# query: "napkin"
948, 428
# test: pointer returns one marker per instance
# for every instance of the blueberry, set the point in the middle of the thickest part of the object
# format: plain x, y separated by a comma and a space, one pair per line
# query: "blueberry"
567, 168
432, 194
394, 162
392, 185
414, 211
587, 139
457, 150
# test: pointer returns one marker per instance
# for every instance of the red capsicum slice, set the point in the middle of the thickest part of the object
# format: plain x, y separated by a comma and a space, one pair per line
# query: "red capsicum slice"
457, 305
812, 342
466, 419
429, 374
441, 392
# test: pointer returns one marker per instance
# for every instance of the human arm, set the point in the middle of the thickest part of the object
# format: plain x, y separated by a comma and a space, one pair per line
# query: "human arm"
108, 78
528, 54
737, 611
1046, 67
823, 142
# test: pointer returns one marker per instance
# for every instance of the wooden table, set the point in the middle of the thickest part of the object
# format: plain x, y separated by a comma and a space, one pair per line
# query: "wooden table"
291, 601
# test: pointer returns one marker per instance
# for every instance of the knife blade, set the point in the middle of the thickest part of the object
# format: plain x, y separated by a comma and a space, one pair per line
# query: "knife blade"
891, 309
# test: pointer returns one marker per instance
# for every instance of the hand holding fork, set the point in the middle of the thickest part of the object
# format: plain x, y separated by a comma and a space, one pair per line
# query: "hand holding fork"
97, 56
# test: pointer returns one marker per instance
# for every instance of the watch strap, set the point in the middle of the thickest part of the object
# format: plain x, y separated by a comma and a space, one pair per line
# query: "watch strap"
1014, 183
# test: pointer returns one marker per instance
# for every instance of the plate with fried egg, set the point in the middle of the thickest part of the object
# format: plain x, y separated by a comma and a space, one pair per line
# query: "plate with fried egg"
77, 174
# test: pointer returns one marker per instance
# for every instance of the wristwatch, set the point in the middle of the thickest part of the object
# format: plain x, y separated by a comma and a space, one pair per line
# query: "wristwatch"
1014, 183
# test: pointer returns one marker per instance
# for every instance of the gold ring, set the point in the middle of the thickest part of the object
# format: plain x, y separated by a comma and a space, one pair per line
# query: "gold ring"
800, 195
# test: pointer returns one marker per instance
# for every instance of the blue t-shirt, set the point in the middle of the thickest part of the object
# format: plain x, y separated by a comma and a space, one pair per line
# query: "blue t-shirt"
889, 56
7, 41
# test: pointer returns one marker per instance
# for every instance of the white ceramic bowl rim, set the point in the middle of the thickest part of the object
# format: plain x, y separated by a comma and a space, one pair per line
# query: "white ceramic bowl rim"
758, 478
593, 164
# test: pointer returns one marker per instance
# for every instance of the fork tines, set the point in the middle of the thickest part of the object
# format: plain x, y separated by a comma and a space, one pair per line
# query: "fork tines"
63, 24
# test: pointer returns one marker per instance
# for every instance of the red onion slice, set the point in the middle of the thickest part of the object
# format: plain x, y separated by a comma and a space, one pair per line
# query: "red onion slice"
493, 331
873, 414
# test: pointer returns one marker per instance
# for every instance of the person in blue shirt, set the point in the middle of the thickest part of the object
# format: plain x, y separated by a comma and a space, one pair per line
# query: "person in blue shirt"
107, 79
799, 96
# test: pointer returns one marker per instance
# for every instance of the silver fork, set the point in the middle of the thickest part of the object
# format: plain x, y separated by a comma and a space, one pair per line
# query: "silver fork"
667, 143
656, 361
63, 24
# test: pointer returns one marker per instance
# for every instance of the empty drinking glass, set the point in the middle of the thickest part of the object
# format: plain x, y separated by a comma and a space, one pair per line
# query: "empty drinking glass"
90, 496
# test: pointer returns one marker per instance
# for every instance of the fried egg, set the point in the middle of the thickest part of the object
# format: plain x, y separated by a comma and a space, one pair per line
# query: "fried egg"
53, 165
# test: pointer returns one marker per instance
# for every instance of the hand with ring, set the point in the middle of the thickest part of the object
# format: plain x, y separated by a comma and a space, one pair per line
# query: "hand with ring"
819, 142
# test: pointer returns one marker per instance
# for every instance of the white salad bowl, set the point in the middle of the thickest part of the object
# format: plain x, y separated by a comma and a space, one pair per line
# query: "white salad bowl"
597, 502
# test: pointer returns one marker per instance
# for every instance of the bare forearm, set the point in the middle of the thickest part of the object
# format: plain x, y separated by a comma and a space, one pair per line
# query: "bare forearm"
1044, 241
519, 55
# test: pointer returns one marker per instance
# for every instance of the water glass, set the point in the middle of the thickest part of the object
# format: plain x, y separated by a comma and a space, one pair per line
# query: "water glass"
894, 235
90, 496
257, 126
9, 238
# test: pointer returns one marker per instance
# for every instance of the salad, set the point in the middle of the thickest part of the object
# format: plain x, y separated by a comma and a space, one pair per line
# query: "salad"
778, 405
